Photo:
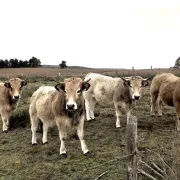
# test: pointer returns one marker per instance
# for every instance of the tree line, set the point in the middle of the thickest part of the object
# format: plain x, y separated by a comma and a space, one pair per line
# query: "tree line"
15, 63
177, 63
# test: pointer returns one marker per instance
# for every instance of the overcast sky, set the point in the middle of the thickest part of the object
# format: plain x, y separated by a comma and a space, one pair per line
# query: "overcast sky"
92, 33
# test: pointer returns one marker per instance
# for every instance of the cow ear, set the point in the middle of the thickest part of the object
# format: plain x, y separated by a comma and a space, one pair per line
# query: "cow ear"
60, 86
127, 83
144, 83
7, 85
23, 83
85, 86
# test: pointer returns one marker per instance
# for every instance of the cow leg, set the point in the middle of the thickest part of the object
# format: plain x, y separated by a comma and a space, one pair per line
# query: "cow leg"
118, 115
62, 136
154, 97
178, 123
80, 133
34, 126
87, 105
93, 103
159, 107
5, 118
90, 103
45, 131
128, 116
177, 106
118, 122
5, 124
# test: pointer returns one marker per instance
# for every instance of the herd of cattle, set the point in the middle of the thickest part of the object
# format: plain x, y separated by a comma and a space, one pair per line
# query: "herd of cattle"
66, 104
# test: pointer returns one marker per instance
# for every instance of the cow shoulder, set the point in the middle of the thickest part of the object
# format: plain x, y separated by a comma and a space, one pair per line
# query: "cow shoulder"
4, 94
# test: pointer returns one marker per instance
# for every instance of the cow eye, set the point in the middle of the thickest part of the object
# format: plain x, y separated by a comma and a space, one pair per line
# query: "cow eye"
79, 91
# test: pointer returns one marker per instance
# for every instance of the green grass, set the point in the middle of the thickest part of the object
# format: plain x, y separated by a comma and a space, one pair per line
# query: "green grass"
20, 160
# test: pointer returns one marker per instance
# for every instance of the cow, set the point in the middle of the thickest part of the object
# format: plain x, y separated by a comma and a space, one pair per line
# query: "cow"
107, 91
62, 105
165, 89
10, 95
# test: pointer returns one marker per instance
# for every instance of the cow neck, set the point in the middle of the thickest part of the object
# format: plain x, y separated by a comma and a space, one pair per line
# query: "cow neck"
74, 115
12, 102
132, 102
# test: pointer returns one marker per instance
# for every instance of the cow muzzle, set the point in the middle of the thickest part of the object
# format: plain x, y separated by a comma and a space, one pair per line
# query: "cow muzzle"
136, 97
71, 107
16, 97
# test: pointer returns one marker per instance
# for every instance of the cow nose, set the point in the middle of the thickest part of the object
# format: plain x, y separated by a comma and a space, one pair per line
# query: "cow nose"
16, 97
70, 106
136, 97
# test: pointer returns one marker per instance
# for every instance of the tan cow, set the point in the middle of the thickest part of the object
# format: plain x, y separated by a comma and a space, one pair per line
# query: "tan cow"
62, 106
10, 94
165, 88
108, 91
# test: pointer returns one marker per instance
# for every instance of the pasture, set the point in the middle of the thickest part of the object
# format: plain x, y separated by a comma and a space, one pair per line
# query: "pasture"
20, 160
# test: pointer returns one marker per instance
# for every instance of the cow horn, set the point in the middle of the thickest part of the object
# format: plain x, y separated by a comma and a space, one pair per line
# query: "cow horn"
124, 78
25, 80
55, 81
87, 80
150, 77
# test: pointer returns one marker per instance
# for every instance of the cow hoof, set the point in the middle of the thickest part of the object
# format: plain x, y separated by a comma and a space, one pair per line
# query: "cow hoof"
118, 126
88, 154
45, 142
34, 144
178, 129
5, 131
152, 115
159, 115
91, 120
63, 156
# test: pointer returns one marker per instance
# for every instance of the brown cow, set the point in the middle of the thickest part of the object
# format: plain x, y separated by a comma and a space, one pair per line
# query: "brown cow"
10, 94
62, 106
165, 88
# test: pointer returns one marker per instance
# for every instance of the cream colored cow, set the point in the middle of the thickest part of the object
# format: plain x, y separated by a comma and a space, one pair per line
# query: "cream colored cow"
62, 105
10, 94
122, 93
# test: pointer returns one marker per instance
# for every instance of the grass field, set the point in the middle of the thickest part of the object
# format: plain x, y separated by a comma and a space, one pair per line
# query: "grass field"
22, 161
56, 72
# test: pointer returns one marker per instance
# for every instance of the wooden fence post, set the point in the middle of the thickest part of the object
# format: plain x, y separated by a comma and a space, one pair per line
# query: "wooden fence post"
116, 73
132, 148
133, 71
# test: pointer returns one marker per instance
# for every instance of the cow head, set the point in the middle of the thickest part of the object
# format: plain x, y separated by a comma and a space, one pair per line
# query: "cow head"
135, 84
73, 88
15, 86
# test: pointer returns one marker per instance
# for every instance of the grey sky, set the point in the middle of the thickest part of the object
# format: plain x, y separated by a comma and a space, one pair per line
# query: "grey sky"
96, 33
